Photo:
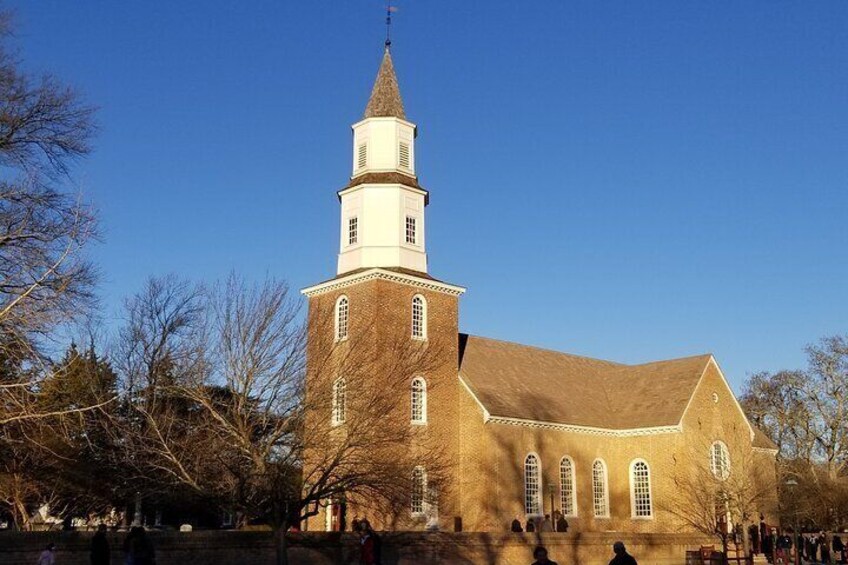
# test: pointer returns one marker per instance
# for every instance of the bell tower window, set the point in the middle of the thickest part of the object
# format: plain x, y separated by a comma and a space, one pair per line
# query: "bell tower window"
411, 234
352, 230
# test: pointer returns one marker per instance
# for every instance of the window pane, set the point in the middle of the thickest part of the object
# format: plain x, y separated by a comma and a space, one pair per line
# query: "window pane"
566, 479
599, 489
410, 230
531, 485
418, 320
641, 490
419, 486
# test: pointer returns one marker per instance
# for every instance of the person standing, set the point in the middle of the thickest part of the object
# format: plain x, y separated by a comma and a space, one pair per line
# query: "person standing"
561, 524
621, 555
138, 549
48, 556
838, 549
547, 525
824, 547
100, 547
540, 554
367, 553
531, 526
516, 526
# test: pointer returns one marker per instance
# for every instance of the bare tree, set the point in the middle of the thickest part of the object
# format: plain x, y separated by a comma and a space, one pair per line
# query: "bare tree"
804, 412
237, 425
45, 279
713, 494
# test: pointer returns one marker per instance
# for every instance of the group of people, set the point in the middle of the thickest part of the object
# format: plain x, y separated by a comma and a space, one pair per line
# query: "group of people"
816, 547
138, 549
540, 554
539, 524
823, 547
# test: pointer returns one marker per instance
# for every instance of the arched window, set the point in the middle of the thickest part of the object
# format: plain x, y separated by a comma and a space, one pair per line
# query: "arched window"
532, 486
640, 490
339, 401
419, 400
419, 487
419, 317
568, 496
720, 461
342, 313
600, 498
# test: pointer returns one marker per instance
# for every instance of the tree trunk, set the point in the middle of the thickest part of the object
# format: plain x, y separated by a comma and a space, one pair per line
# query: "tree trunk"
282, 545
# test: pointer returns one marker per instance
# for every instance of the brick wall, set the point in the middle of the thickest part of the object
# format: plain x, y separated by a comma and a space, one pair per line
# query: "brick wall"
380, 315
249, 548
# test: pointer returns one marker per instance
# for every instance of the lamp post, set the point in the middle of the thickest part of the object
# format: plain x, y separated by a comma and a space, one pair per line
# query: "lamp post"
552, 492
791, 483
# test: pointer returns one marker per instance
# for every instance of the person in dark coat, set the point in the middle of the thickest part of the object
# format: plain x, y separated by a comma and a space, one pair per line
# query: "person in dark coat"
540, 554
754, 535
100, 554
838, 548
516, 526
621, 555
561, 524
769, 545
138, 548
531, 525
367, 552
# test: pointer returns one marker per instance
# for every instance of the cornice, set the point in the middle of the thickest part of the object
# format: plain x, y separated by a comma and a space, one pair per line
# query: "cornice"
587, 430
382, 274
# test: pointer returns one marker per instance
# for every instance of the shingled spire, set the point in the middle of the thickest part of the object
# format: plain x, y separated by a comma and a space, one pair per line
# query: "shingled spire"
385, 98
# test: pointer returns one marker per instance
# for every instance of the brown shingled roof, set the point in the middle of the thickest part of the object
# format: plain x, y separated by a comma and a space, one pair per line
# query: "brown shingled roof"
389, 177
518, 381
385, 98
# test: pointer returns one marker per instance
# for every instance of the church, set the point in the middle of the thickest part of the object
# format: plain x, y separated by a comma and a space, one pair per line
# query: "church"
528, 432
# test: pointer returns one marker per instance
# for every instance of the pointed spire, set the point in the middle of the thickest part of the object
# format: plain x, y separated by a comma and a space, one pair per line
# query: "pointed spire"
385, 98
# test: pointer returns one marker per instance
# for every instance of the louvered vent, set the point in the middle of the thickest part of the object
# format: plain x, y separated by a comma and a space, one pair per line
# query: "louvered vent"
403, 155
362, 156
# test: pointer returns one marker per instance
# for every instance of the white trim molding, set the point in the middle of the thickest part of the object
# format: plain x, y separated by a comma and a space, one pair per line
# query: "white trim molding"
632, 432
486, 415
382, 274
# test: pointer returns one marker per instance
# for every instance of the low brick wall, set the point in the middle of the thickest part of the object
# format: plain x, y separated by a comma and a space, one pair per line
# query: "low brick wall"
242, 548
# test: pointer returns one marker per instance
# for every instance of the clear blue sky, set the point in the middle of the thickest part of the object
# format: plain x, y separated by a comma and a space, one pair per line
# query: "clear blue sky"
625, 180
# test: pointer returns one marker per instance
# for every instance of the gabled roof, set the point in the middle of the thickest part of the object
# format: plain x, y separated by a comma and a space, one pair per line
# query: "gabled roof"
528, 383
385, 98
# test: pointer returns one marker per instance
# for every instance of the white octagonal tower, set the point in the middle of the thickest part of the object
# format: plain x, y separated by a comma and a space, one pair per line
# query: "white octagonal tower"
382, 208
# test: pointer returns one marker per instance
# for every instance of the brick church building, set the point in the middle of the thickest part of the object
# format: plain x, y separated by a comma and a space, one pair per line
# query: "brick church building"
526, 431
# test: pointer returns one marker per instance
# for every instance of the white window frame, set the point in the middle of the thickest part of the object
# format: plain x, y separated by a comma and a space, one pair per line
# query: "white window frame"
720, 469
422, 400
419, 332
411, 230
339, 412
562, 489
604, 499
634, 504
418, 507
539, 500
352, 230
342, 326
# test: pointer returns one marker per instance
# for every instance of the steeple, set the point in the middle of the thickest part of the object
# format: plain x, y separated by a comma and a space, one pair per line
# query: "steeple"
385, 101
382, 219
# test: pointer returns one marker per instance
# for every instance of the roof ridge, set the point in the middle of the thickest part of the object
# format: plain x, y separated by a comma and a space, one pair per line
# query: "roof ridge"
577, 355
548, 350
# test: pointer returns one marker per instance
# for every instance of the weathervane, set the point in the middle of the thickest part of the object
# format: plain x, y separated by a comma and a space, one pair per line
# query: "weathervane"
389, 10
